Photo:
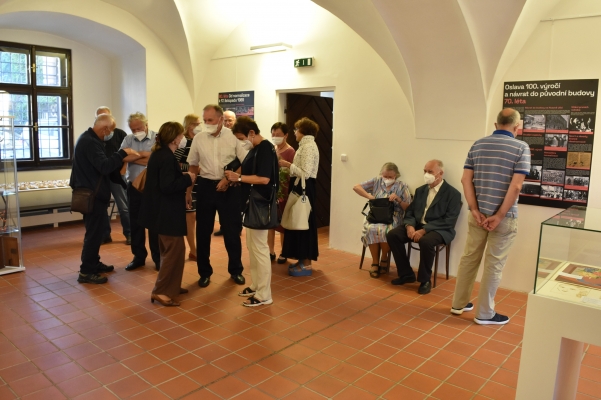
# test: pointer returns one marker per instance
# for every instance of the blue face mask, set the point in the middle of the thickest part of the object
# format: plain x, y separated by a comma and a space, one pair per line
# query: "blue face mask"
109, 137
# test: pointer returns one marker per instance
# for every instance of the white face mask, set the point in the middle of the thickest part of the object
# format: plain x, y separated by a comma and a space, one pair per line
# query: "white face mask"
277, 140
247, 144
197, 130
210, 129
182, 143
140, 135
109, 137
429, 178
388, 182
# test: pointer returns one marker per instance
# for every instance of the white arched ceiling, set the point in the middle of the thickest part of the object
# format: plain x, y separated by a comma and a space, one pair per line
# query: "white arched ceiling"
114, 43
162, 17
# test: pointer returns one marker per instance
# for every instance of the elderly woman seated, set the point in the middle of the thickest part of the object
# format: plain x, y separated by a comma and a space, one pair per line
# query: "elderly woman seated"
387, 184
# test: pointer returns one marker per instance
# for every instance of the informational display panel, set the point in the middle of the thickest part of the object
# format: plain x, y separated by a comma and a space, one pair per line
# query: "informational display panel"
242, 103
558, 123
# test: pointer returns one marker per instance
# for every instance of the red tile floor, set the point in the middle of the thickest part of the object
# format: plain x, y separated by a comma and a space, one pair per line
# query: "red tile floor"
338, 334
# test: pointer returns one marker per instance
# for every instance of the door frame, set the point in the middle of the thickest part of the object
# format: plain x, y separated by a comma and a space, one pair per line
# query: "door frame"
280, 95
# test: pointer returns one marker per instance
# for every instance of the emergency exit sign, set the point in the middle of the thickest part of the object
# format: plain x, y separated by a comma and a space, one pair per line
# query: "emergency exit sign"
303, 62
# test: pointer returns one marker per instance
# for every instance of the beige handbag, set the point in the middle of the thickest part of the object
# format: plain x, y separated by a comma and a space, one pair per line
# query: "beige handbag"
140, 181
298, 207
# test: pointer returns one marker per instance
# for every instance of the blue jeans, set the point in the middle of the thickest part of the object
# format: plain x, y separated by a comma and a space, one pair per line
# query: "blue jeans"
120, 197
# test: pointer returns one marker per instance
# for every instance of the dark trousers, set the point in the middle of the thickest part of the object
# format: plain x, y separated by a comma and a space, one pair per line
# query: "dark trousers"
94, 223
227, 204
397, 238
173, 257
138, 233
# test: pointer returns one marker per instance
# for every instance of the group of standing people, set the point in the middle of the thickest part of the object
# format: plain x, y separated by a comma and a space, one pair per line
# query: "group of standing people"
192, 174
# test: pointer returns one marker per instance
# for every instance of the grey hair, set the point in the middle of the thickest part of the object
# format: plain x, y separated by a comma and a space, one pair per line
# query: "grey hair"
103, 108
137, 116
508, 116
439, 163
104, 120
389, 166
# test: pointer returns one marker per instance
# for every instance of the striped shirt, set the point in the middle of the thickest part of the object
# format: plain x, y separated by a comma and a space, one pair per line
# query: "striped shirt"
495, 159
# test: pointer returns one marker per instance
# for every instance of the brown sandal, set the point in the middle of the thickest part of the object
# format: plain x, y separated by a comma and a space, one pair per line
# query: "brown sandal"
169, 303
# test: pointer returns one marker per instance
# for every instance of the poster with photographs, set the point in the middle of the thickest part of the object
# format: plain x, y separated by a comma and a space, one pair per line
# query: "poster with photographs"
241, 103
558, 123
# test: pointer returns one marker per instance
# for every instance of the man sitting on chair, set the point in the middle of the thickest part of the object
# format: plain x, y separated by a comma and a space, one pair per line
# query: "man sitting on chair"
429, 221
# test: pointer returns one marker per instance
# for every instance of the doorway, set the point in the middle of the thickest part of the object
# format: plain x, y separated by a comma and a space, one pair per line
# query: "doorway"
319, 107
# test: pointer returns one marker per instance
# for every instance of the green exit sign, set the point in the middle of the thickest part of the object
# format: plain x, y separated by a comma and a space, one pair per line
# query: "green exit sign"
303, 62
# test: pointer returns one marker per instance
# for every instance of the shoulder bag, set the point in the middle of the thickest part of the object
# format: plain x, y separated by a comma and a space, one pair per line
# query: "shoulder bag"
82, 199
261, 213
140, 181
298, 208
381, 211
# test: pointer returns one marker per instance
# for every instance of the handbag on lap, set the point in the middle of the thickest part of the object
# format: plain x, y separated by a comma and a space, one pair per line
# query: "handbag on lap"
381, 211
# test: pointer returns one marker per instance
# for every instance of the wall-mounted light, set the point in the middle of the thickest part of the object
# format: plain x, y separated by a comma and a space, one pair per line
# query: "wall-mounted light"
269, 48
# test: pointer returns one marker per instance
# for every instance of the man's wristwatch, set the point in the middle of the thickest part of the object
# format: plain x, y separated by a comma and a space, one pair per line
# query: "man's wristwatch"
239, 178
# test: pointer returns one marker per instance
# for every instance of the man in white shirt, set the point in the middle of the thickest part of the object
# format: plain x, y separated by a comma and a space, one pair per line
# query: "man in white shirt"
140, 140
213, 150
229, 119
429, 220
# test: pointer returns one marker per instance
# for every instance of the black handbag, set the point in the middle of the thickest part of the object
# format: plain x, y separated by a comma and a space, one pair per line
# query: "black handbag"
381, 211
262, 213
82, 199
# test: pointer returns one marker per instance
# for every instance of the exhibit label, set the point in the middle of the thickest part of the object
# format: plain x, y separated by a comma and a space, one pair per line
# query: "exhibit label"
558, 123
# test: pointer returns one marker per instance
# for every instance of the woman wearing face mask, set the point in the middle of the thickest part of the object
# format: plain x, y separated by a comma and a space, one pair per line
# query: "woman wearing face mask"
259, 169
191, 123
387, 184
163, 210
279, 137
302, 245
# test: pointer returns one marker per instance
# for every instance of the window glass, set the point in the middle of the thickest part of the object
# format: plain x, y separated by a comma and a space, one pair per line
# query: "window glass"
14, 65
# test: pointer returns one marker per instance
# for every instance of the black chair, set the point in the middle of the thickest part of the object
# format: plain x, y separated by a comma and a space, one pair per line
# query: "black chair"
439, 248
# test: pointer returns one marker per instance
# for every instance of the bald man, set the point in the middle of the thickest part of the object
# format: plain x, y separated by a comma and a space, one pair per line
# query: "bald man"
494, 171
429, 220
91, 170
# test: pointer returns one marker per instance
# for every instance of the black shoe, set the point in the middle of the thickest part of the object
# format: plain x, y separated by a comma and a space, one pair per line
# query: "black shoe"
102, 267
282, 260
401, 280
272, 257
459, 311
497, 319
128, 240
204, 282
107, 239
218, 233
134, 264
425, 288
157, 265
91, 278
239, 279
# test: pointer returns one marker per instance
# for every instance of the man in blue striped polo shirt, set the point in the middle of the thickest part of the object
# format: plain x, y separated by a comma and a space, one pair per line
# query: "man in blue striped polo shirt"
493, 174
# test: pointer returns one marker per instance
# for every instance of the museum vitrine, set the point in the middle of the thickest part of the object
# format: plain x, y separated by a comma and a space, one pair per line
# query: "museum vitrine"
569, 256
11, 259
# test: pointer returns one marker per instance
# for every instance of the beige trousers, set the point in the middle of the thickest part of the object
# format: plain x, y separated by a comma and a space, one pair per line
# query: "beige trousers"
260, 263
497, 244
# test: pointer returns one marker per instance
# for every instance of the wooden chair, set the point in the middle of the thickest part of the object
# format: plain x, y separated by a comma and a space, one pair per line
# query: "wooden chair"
387, 268
439, 248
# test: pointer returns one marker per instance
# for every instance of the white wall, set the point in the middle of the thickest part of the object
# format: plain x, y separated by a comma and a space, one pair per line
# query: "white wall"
129, 87
91, 86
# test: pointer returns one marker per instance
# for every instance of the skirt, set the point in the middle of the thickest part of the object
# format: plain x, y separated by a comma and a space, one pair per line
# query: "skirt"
301, 245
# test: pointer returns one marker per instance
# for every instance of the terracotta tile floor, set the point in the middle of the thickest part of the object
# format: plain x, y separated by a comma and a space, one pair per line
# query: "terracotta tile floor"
338, 334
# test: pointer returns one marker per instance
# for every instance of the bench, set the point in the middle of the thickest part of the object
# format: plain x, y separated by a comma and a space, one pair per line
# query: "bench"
52, 214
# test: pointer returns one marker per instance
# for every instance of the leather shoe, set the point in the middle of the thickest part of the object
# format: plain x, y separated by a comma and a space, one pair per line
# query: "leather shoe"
134, 264
239, 279
401, 280
204, 282
218, 233
424, 288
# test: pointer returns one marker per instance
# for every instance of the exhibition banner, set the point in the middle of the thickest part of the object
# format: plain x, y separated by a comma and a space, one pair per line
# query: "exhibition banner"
242, 103
558, 123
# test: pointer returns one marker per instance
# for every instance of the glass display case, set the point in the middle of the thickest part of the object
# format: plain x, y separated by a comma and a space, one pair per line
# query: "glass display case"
569, 256
11, 257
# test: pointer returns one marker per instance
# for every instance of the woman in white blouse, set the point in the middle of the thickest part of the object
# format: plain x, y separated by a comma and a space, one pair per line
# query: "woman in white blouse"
302, 245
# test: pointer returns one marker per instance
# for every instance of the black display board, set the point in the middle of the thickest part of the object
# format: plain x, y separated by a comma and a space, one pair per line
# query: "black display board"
558, 123
241, 103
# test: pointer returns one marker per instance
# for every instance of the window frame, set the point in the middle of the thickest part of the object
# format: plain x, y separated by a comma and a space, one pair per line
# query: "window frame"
32, 89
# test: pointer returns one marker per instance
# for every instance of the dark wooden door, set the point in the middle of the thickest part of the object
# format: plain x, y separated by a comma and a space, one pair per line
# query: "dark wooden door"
319, 109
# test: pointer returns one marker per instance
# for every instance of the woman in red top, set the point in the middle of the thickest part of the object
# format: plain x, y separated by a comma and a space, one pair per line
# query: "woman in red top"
279, 137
